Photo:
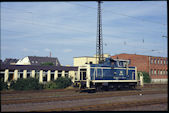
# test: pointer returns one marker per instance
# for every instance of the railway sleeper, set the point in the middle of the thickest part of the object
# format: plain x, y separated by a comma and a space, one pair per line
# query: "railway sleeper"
36, 100
113, 105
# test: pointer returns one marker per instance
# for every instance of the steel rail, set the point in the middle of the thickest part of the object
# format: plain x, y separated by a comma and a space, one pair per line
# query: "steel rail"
89, 96
112, 106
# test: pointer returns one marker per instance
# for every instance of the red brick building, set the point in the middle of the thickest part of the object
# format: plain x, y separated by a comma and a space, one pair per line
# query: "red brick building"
155, 66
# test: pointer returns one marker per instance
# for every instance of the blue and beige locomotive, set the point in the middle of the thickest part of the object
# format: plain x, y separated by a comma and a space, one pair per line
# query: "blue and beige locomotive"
112, 73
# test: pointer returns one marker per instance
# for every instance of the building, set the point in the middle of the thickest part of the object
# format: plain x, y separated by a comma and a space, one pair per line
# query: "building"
43, 73
10, 61
1, 61
36, 60
32, 66
80, 61
155, 66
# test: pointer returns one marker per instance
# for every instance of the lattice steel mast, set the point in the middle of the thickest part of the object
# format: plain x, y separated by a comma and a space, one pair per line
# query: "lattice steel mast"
99, 38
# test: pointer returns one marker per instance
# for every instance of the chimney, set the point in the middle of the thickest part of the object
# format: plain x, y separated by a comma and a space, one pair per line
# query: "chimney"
50, 54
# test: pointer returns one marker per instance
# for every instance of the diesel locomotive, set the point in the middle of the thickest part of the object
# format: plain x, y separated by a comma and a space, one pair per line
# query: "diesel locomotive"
112, 73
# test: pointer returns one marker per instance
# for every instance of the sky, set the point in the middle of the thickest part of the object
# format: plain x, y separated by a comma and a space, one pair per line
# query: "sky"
68, 29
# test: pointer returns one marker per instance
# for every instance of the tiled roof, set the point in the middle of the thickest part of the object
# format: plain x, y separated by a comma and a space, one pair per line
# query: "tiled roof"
1, 61
36, 67
36, 60
85, 57
136, 55
7, 61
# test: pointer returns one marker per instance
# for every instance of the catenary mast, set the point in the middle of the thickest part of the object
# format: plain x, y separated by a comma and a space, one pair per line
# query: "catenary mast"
99, 38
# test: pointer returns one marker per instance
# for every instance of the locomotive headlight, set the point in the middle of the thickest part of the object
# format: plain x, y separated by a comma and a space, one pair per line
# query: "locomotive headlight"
121, 73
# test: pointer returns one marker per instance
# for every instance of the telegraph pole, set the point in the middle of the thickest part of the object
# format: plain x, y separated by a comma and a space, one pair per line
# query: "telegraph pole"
99, 38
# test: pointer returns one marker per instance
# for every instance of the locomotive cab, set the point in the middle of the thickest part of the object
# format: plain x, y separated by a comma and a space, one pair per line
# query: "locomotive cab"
119, 62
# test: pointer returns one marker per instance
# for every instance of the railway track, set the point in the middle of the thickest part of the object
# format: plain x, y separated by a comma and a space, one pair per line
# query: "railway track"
77, 97
112, 106
156, 86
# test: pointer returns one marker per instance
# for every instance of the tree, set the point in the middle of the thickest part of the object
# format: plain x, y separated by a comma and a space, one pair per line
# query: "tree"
146, 77
3, 85
47, 64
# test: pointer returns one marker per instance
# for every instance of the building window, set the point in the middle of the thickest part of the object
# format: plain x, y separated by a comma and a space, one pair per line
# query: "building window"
155, 72
52, 75
75, 75
151, 61
129, 61
36, 61
11, 75
166, 72
20, 74
29, 73
154, 61
161, 61
45, 73
32, 61
37, 73
59, 73
163, 72
152, 71
158, 61
66, 73
158, 72
164, 61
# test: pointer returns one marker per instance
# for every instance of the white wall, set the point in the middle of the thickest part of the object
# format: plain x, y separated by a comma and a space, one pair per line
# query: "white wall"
162, 81
24, 61
80, 61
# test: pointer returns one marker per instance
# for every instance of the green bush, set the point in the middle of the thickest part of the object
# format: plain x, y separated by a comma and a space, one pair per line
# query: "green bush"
33, 84
26, 84
3, 85
63, 82
50, 85
146, 77
47, 64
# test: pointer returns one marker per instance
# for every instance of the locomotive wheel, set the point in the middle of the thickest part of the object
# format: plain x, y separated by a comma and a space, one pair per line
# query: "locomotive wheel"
106, 88
132, 87
98, 88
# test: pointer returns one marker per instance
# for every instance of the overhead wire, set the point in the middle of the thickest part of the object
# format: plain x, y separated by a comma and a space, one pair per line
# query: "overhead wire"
96, 8
45, 25
48, 25
121, 14
11, 31
12, 9
51, 26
